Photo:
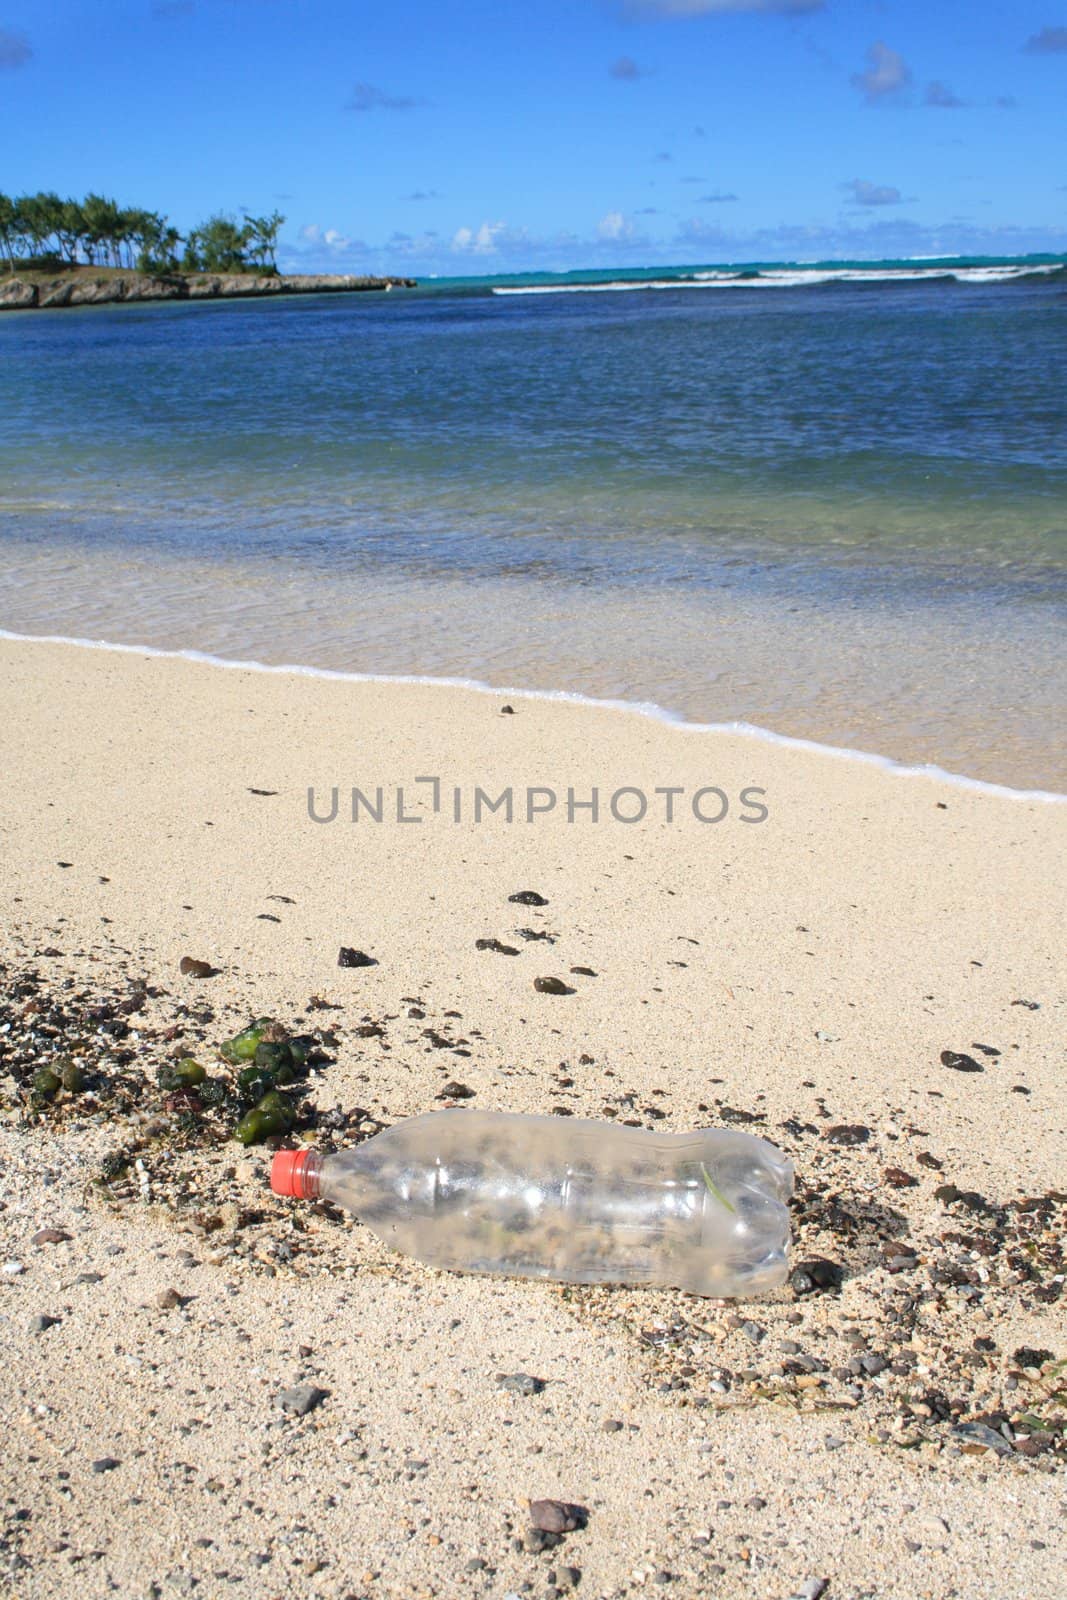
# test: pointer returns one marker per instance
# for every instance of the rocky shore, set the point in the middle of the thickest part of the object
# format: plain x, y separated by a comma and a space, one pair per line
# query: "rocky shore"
40, 292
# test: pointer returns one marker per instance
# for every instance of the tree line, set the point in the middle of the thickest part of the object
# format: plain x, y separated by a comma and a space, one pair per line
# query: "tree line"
43, 230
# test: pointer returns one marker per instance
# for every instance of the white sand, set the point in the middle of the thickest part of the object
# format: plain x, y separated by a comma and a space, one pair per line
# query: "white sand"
896, 916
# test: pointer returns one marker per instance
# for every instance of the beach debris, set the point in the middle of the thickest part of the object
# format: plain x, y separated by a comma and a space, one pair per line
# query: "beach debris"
47, 1082
347, 957
456, 1091
584, 972
527, 897
70, 1074
302, 1398
50, 1236
283, 899
495, 944
272, 1117
1030, 1005
977, 1437
192, 967
520, 1382
530, 934
849, 1133
263, 791
1027, 1356
959, 1062
557, 1516
185, 1074
552, 986
897, 1178
815, 1274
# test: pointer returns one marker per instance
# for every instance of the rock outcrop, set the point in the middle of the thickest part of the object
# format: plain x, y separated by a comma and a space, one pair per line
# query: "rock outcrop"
84, 289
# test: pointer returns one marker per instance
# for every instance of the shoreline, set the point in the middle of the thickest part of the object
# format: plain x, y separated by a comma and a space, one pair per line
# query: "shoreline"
41, 291
653, 711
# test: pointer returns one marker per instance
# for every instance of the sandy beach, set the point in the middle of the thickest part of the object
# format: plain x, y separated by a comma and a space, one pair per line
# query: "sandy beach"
802, 975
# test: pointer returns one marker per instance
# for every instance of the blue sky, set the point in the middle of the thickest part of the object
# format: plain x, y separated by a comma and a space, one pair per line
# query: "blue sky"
476, 136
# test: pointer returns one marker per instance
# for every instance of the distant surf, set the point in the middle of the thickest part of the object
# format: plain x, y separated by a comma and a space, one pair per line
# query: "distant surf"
794, 276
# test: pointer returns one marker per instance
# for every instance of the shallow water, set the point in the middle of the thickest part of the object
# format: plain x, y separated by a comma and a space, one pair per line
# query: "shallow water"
838, 511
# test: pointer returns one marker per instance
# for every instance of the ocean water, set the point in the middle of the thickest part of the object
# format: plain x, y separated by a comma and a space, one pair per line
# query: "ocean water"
828, 500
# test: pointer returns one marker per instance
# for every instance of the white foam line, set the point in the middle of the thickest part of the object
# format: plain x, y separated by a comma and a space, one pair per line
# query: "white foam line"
642, 708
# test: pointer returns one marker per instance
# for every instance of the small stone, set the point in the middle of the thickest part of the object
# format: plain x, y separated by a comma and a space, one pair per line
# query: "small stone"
898, 1179
507, 711
757, 1503
519, 1382
302, 1398
556, 1516
476, 1564
552, 986
42, 1322
106, 1464
753, 1332
925, 1159
495, 944
456, 1091
191, 967
815, 1274
611, 1425
347, 957
50, 1236
1027, 1356
527, 897
813, 1589
168, 1299
848, 1133
960, 1062
13, 1269
584, 972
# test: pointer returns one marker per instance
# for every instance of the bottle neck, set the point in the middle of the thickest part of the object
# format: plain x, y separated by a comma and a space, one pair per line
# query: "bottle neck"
307, 1173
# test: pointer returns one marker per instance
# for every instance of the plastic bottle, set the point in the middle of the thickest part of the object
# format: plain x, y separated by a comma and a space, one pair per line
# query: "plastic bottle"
564, 1199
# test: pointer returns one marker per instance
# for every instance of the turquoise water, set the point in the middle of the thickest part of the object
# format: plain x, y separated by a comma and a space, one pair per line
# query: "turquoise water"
667, 492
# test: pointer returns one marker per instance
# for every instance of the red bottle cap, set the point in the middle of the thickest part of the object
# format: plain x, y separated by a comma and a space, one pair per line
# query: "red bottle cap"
289, 1173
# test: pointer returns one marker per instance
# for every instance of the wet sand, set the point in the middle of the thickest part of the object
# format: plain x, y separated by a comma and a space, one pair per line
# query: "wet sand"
799, 975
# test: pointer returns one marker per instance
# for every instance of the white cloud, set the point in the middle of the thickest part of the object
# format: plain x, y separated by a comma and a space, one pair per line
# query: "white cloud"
887, 75
865, 193
616, 225
485, 240
940, 95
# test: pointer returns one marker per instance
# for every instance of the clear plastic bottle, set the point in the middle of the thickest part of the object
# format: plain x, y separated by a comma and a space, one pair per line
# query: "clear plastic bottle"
564, 1199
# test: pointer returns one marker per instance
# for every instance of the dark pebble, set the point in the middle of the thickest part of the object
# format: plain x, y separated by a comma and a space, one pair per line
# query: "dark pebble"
925, 1159
507, 711
584, 972
495, 944
42, 1322
809, 1277
50, 1236
527, 897
898, 1179
301, 1399
960, 1062
190, 967
456, 1091
552, 986
847, 1133
556, 1516
611, 1425
1027, 1356
354, 958
106, 1464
